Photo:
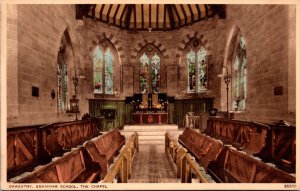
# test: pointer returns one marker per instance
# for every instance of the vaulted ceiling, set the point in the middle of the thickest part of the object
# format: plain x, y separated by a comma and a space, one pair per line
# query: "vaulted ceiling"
149, 16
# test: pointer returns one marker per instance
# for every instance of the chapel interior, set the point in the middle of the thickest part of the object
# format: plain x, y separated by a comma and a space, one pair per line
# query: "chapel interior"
150, 93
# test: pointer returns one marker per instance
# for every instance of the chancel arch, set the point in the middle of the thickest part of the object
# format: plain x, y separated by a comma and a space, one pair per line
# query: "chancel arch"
97, 91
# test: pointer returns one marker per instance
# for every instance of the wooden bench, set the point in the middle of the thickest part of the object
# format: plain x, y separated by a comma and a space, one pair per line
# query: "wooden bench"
61, 137
30, 146
233, 166
104, 148
246, 135
281, 146
22, 149
71, 167
275, 142
203, 147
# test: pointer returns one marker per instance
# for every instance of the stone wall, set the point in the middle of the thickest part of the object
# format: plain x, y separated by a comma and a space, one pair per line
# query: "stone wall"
35, 32
130, 43
269, 31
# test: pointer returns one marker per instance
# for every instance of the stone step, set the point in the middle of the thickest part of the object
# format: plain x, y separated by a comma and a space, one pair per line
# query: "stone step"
151, 142
141, 128
151, 133
151, 138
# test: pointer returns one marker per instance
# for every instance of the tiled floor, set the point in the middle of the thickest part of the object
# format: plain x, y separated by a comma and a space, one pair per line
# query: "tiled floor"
151, 165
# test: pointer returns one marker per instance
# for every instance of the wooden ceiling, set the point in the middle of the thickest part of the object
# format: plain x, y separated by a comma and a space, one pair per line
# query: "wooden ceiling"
149, 16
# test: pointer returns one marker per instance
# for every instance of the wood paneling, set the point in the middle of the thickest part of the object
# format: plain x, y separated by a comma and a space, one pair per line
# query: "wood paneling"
71, 167
58, 138
233, 166
181, 107
22, 149
144, 16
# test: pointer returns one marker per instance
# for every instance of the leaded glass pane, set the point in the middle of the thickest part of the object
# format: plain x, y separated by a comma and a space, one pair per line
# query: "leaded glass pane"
62, 82
98, 67
144, 73
108, 72
202, 70
155, 68
191, 58
240, 77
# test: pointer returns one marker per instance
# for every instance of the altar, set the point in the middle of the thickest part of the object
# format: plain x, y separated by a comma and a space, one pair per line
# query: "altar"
150, 118
150, 108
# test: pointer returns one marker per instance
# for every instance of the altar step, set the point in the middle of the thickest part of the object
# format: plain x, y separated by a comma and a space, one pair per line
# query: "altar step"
150, 134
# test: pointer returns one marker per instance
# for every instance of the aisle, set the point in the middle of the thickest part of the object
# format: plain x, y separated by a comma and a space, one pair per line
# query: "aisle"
151, 165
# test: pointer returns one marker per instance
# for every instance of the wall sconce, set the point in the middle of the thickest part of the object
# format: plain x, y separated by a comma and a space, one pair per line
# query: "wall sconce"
52, 94
227, 79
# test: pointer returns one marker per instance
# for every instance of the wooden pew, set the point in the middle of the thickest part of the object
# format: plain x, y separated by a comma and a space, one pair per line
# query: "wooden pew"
61, 137
234, 166
30, 146
275, 142
104, 148
204, 148
71, 167
246, 135
281, 146
22, 149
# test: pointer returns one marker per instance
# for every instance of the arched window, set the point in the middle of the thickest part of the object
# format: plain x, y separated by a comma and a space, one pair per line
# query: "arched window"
62, 79
240, 76
103, 62
150, 71
197, 70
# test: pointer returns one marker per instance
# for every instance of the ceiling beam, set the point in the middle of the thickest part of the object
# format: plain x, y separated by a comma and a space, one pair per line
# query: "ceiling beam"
157, 12
142, 16
177, 14
122, 15
103, 5
83, 10
220, 10
206, 12
134, 12
93, 10
150, 16
165, 15
171, 16
115, 15
108, 13
184, 13
191, 11
128, 14
199, 12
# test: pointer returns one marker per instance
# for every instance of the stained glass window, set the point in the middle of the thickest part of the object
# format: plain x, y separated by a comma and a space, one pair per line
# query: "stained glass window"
240, 77
103, 62
155, 75
197, 73
62, 80
150, 71
108, 72
202, 70
191, 58
144, 73
97, 60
